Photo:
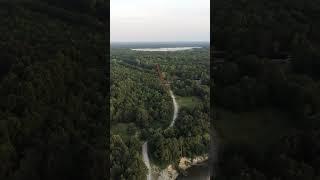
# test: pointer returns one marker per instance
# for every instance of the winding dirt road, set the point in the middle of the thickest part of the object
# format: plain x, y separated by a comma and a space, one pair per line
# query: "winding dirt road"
146, 159
175, 108
145, 144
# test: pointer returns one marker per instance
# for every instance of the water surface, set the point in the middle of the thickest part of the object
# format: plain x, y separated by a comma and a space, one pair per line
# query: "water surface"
165, 49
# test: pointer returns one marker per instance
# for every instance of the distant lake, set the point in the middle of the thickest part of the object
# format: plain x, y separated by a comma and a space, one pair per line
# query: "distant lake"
166, 49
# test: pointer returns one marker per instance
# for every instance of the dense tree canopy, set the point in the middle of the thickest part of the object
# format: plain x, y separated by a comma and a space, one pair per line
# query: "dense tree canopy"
52, 90
271, 60
141, 103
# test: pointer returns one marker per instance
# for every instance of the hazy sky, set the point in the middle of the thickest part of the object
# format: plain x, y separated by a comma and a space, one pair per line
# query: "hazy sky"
160, 20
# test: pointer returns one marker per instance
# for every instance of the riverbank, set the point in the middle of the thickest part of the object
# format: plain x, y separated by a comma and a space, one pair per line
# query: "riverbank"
187, 168
196, 172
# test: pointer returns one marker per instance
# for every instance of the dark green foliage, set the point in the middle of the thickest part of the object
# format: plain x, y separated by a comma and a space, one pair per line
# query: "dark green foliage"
272, 61
98, 8
126, 159
137, 96
52, 89
189, 138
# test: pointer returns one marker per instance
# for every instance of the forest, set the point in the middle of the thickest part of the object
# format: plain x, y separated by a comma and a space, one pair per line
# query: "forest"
266, 89
141, 108
52, 90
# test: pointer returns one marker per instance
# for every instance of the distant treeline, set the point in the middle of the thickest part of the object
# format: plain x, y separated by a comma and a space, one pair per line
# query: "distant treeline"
158, 44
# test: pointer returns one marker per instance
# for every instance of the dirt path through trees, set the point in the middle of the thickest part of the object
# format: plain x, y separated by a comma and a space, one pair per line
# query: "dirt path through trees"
145, 154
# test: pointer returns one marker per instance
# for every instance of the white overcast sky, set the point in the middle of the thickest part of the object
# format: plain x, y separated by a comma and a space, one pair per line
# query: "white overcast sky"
160, 20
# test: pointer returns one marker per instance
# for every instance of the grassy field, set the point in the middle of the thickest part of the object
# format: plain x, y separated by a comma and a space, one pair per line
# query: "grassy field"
259, 129
188, 102
121, 129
